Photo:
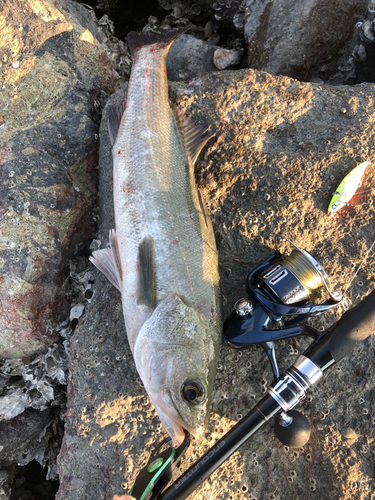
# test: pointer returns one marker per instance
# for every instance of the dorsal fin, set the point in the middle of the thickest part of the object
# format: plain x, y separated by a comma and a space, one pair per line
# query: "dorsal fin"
115, 112
191, 135
108, 261
146, 290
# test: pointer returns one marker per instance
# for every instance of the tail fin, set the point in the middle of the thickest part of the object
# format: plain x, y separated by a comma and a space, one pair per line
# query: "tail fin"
161, 40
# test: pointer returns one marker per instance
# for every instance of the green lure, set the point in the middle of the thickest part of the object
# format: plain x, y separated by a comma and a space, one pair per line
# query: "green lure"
347, 188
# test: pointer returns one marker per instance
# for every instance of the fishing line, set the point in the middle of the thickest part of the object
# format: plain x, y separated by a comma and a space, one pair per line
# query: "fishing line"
309, 276
309, 273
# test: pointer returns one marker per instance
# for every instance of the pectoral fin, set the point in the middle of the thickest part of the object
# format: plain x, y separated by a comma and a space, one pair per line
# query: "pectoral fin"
191, 135
108, 261
146, 290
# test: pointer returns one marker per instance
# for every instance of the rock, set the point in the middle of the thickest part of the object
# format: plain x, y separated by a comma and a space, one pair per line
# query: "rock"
23, 437
32, 436
54, 74
359, 53
7, 476
282, 148
225, 57
299, 37
189, 58
34, 384
223, 11
102, 30
368, 31
371, 10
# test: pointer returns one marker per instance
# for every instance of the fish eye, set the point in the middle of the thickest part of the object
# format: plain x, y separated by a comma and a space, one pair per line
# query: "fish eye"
333, 207
193, 392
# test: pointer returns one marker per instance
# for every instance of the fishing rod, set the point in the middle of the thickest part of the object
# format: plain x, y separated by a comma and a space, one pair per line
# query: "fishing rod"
248, 324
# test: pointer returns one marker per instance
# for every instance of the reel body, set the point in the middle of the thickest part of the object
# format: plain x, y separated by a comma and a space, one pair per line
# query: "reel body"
278, 302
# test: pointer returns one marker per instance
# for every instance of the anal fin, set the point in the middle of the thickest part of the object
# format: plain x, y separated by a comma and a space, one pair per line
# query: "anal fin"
146, 290
108, 261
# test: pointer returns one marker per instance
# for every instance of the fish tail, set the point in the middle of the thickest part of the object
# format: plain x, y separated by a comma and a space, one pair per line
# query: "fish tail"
161, 40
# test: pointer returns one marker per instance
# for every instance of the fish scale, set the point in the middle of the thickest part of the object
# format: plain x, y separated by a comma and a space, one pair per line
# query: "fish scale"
163, 256
161, 205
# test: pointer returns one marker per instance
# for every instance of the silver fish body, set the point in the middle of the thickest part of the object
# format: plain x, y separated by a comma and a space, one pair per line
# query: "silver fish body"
163, 256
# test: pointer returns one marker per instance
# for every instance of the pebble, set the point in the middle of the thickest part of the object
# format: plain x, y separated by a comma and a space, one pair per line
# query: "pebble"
225, 57
208, 29
214, 40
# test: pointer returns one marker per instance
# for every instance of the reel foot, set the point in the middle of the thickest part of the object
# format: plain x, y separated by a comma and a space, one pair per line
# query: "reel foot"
292, 429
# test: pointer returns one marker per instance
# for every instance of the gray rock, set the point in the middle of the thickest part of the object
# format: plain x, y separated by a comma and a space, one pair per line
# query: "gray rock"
7, 475
189, 58
54, 73
282, 148
359, 53
23, 437
368, 31
297, 37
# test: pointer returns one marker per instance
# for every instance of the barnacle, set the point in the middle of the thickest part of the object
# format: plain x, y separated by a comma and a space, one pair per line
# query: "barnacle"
34, 383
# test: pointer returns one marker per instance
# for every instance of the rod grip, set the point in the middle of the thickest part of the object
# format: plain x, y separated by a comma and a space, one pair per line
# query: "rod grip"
355, 326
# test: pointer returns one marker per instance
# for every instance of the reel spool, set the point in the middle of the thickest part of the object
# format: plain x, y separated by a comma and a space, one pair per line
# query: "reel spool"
292, 279
278, 302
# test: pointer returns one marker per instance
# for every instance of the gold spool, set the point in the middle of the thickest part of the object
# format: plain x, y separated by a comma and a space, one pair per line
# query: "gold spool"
307, 269
304, 270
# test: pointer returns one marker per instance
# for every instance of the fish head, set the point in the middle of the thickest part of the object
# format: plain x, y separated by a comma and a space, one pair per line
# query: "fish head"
176, 357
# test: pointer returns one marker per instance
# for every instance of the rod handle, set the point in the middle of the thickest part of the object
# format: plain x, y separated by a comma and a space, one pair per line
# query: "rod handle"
355, 326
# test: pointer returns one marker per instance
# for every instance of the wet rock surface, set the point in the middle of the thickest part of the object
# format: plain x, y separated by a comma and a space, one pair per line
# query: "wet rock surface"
281, 149
53, 76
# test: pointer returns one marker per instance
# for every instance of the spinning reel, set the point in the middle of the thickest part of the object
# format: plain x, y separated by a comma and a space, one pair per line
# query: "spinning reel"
276, 306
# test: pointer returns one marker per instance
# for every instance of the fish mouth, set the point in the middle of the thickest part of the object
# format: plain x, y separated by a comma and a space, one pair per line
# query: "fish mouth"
172, 422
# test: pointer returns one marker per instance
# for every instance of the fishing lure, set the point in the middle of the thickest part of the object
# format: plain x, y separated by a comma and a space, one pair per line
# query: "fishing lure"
347, 188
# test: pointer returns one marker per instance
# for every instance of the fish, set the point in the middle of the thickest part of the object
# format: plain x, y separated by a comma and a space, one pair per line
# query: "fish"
162, 255
347, 188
